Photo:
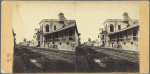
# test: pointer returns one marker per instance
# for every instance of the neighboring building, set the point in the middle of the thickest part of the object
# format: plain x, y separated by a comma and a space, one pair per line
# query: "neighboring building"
122, 33
96, 42
14, 38
58, 33
36, 37
25, 44
101, 37
32, 43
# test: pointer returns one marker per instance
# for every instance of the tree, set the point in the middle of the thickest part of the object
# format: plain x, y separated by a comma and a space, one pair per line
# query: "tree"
30, 41
33, 41
89, 39
24, 39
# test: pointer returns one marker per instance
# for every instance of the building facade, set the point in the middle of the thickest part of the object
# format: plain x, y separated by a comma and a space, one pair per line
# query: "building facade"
14, 38
122, 33
59, 33
36, 37
101, 37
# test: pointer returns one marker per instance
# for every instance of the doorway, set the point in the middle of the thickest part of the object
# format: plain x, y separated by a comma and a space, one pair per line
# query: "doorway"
39, 43
103, 43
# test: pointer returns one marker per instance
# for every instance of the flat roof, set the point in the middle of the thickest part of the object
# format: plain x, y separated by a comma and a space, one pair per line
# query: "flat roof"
113, 20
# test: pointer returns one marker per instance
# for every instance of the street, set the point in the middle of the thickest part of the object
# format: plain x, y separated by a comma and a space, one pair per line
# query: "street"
88, 59
111, 60
38, 60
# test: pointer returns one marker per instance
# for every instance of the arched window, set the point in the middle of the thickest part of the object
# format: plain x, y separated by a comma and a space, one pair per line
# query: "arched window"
47, 28
55, 27
111, 28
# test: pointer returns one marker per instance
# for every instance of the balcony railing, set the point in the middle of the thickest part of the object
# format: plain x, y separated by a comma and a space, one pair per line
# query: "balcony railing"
56, 39
71, 37
135, 38
125, 40
112, 40
61, 39
48, 40
121, 39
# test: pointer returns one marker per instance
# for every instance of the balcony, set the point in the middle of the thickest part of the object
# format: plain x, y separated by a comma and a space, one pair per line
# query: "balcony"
112, 40
63, 39
135, 38
122, 39
56, 39
48, 40
71, 37
60, 39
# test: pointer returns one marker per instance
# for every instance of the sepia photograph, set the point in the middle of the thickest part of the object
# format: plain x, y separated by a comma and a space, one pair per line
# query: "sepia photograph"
75, 37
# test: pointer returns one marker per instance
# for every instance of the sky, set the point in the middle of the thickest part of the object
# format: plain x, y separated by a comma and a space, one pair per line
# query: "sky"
89, 16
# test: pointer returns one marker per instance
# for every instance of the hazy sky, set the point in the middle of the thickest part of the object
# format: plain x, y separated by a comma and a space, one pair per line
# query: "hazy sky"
89, 16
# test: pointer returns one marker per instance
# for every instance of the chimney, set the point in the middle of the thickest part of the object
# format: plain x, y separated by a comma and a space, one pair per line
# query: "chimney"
126, 17
61, 16
62, 19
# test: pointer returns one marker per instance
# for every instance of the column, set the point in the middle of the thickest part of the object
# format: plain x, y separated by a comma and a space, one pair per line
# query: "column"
53, 37
131, 34
44, 41
68, 35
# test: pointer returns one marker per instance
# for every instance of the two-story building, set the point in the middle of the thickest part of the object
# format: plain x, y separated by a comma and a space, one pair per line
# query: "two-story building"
59, 33
122, 33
